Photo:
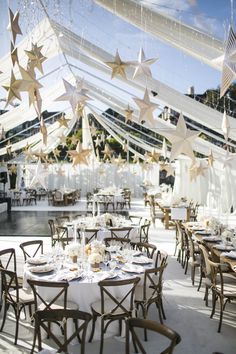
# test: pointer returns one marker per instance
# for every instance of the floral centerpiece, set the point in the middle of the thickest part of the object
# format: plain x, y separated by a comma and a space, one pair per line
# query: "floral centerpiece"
95, 251
227, 235
73, 250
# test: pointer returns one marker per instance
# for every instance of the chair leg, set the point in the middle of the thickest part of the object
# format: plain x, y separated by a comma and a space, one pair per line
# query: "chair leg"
221, 313
93, 328
102, 336
17, 316
4, 315
200, 281
186, 264
162, 309
193, 274
206, 295
213, 304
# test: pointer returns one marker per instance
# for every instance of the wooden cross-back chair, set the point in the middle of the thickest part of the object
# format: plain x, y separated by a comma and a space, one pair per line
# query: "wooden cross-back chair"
117, 232
31, 248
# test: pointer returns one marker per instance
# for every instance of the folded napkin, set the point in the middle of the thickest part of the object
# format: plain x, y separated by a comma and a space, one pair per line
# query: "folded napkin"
37, 260
106, 275
42, 269
132, 268
69, 276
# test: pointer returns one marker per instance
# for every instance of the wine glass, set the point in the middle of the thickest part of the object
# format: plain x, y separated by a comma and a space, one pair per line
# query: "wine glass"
106, 259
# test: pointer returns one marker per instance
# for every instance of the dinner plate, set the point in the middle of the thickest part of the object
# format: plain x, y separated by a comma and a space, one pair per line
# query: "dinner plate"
211, 239
37, 261
141, 260
132, 268
224, 248
42, 269
108, 275
231, 254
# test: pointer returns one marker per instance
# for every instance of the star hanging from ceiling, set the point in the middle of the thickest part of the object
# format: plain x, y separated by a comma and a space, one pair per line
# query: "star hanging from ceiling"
181, 139
74, 95
107, 152
119, 161
36, 58
229, 62
210, 159
28, 153
118, 66
14, 55
63, 121
93, 129
97, 141
153, 156
197, 169
43, 131
13, 25
136, 159
103, 137
125, 147
142, 66
74, 140
79, 155
146, 108
170, 170
225, 126
29, 84
41, 155
12, 169
39, 176
56, 153
13, 89
128, 114
62, 138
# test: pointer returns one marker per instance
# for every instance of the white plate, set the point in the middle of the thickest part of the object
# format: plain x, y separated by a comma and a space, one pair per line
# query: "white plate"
224, 248
211, 239
132, 268
141, 260
37, 261
42, 269
108, 275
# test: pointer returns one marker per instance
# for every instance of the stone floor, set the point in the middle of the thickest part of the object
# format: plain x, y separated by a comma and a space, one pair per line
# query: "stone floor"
185, 310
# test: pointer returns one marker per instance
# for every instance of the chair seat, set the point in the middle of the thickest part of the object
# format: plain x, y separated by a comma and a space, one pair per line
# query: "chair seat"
60, 305
25, 296
109, 305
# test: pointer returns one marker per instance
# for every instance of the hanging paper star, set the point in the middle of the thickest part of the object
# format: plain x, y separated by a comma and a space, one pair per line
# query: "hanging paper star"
119, 161
153, 156
97, 141
118, 66
125, 147
103, 137
73, 95
39, 176
41, 155
170, 170
181, 139
145, 166
43, 131
28, 153
107, 152
225, 126
80, 155
63, 122
74, 140
142, 66
29, 84
56, 153
12, 169
197, 169
13, 89
128, 114
62, 138
146, 108
210, 159
13, 25
8, 148
229, 62
36, 58
93, 129
2, 134
14, 55
14, 154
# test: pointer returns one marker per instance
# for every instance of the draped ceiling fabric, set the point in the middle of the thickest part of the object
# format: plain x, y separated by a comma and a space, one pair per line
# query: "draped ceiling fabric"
186, 38
116, 95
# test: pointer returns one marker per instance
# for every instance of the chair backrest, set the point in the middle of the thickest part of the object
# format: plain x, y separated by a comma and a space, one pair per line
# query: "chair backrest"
204, 259
115, 241
60, 220
8, 259
191, 245
31, 248
44, 319
9, 281
89, 234
52, 226
122, 232
144, 230
217, 279
160, 258
49, 298
136, 219
62, 236
58, 195
145, 247
132, 324
153, 279
123, 304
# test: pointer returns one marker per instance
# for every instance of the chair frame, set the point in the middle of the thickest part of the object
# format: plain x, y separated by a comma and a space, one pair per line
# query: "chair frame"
115, 230
133, 323
31, 243
126, 310
123, 241
145, 247
44, 319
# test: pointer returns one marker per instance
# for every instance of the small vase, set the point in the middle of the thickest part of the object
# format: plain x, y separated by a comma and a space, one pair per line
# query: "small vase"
74, 259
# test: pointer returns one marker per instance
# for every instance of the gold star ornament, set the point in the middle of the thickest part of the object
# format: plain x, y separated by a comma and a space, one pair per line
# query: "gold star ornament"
146, 108
13, 89
63, 122
13, 25
128, 114
79, 155
36, 58
118, 66
153, 156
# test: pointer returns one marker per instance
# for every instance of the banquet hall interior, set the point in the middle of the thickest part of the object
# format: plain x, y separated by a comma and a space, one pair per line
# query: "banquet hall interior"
117, 176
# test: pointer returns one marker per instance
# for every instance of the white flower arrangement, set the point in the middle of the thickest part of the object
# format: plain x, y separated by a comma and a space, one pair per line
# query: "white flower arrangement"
73, 249
97, 247
227, 234
95, 258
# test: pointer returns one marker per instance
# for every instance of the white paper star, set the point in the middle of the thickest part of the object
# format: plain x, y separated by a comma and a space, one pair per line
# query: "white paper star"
181, 139
39, 176
142, 65
199, 168
229, 62
128, 114
146, 108
79, 155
